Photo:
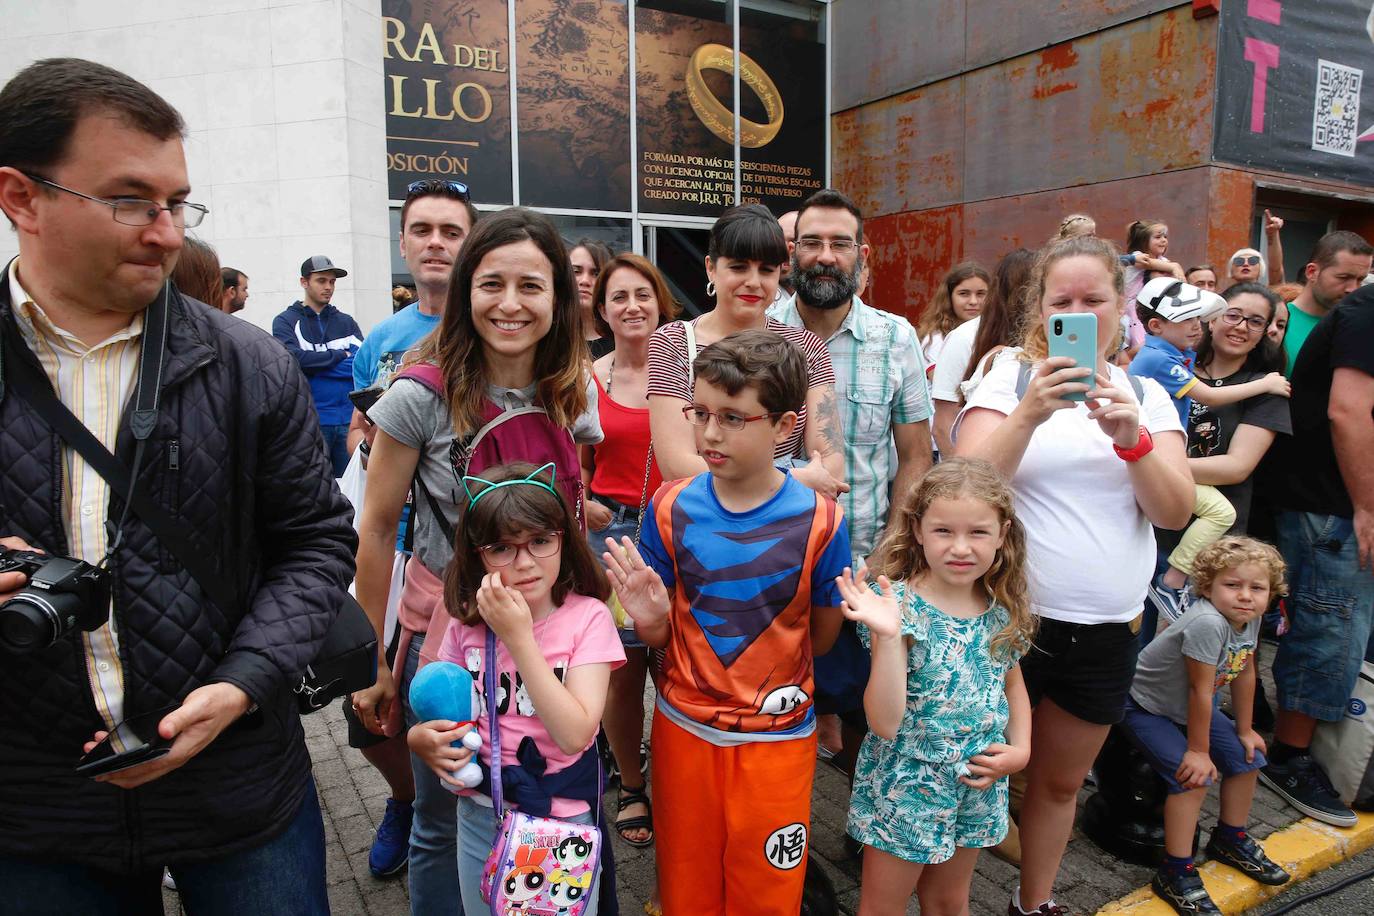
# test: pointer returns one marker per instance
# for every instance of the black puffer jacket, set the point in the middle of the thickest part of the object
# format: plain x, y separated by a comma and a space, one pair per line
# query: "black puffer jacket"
237, 457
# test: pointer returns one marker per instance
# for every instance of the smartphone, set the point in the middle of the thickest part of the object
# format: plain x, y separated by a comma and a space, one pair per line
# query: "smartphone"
1075, 335
130, 743
364, 398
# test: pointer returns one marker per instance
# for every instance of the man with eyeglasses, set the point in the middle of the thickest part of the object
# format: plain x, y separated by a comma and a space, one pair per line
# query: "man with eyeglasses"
93, 179
1339, 263
435, 219
880, 383
323, 340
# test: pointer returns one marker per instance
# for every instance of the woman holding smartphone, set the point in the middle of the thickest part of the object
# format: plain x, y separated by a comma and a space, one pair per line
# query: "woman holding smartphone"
1091, 476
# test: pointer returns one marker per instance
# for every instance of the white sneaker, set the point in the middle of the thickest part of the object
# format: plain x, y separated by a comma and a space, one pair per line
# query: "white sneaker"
167, 880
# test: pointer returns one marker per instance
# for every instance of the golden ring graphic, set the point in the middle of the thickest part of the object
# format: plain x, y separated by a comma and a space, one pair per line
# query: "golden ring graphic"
717, 118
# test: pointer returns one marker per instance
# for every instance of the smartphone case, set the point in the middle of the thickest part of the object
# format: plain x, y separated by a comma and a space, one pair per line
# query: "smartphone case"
1074, 335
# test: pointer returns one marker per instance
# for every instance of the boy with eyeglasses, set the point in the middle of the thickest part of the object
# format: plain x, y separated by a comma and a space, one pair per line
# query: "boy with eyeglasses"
737, 583
1172, 312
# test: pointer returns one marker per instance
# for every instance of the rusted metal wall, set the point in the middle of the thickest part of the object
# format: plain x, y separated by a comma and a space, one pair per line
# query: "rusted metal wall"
998, 29
912, 251
1117, 124
1129, 101
883, 47
903, 153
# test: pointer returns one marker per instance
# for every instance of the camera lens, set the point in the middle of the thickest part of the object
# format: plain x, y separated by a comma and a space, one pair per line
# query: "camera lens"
27, 624
30, 622
1058, 327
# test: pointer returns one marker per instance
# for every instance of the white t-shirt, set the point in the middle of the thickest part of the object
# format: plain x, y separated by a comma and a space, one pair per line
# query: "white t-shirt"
1090, 548
952, 361
931, 347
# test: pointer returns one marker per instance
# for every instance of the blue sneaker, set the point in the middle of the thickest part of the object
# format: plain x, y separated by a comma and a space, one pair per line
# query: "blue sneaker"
1172, 602
391, 846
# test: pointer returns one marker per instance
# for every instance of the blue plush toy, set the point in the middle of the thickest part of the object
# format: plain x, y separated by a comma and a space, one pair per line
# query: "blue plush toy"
443, 690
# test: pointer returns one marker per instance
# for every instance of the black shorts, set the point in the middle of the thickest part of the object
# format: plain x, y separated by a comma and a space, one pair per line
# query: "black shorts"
1086, 669
358, 735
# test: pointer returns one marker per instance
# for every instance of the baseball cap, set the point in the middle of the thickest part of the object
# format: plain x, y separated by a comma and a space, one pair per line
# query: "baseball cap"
319, 264
1174, 300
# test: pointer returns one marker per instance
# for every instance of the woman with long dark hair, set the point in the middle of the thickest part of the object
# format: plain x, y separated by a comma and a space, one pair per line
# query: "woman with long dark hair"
996, 325
510, 337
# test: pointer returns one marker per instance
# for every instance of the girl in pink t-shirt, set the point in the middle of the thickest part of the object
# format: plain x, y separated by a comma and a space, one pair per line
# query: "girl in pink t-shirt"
522, 567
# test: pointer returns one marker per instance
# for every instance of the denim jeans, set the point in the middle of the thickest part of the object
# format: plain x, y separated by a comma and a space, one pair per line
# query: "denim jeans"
433, 839
1331, 608
477, 828
624, 524
336, 447
282, 877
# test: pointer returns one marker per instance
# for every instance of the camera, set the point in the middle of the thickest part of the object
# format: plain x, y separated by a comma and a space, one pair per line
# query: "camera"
63, 594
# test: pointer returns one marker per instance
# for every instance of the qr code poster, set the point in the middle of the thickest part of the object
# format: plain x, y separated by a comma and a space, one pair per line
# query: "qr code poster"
1336, 114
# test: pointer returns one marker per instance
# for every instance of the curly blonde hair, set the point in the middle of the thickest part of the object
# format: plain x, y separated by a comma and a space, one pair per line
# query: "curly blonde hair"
900, 557
1232, 552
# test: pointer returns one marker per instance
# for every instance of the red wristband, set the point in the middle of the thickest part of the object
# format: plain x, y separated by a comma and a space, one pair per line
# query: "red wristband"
1143, 446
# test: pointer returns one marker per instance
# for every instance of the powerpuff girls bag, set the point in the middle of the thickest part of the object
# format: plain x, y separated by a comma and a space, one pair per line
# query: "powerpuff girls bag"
540, 866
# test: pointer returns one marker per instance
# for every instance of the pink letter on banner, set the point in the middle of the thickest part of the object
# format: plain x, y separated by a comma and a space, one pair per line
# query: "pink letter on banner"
1265, 57
1264, 10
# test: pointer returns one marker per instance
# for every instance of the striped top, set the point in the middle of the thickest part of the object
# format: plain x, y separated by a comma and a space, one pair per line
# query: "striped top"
670, 371
880, 380
94, 383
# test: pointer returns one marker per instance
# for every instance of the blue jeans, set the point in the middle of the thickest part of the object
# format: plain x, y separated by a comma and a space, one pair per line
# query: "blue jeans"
477, 828
1331, 610
433, 831
282, 877
624, 523
336, 447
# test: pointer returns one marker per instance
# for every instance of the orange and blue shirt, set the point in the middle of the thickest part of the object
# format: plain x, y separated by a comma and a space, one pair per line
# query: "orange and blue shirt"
739, 664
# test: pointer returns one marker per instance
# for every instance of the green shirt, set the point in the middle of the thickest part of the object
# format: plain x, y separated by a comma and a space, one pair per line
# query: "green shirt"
1300, 324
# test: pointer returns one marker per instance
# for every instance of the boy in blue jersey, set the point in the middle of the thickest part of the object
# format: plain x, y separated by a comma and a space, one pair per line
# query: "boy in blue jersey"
737, 583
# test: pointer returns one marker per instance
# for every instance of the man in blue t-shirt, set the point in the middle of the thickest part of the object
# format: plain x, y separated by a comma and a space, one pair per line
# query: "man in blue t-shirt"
435, 220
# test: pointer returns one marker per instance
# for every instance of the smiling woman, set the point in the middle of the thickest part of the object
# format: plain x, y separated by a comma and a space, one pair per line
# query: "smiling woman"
743, 263
503, 344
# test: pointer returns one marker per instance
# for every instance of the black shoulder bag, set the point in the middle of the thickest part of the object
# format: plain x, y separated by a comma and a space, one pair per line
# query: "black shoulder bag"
347, 661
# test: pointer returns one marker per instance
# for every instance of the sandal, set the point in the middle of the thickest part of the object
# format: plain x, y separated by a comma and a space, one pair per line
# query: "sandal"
624, 798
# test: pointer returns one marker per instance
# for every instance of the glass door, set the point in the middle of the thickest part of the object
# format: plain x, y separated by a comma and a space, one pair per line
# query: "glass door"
678, 250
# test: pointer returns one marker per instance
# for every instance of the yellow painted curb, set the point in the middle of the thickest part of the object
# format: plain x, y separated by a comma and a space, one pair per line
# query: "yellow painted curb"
1303, 849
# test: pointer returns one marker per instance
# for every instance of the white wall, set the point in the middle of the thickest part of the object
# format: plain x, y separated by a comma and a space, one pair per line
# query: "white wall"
284, 106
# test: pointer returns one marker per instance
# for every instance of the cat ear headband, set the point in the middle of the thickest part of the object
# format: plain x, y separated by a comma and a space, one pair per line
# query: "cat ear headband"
532, 479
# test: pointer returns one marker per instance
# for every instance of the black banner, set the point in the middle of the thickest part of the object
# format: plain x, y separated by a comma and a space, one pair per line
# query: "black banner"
447, 74
1290, 93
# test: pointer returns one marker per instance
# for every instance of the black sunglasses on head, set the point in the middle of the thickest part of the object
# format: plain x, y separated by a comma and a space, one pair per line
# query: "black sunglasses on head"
437, 186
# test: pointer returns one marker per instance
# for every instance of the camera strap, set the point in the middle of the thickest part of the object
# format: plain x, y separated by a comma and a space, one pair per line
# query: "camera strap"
29, 381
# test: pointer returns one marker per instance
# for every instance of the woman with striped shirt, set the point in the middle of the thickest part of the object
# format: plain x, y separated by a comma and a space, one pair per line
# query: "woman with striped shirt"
743, 262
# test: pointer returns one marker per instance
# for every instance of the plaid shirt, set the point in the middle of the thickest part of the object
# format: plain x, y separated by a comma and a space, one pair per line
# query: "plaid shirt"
880, 379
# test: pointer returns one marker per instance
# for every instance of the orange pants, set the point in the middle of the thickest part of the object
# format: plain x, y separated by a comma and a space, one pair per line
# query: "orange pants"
731, 824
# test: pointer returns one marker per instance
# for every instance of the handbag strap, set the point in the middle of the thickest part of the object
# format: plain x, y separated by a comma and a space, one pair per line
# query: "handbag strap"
489, 680
644, 492
34, 387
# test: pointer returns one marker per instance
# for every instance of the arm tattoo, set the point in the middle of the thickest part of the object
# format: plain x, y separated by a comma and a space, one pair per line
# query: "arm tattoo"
828, 425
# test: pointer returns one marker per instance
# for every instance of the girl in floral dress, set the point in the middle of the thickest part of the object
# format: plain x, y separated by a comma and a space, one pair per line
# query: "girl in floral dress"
947, 708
